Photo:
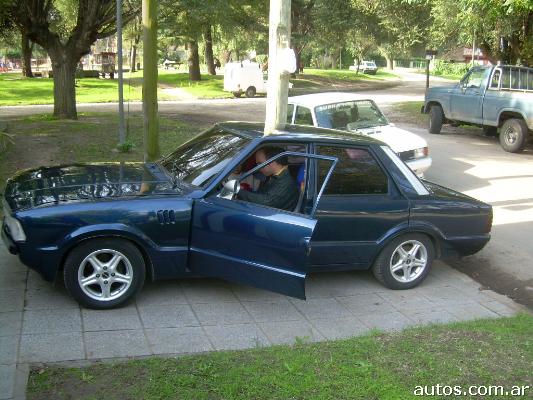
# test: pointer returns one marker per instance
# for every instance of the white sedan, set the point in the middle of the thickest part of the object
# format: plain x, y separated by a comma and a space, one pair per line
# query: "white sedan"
358, 114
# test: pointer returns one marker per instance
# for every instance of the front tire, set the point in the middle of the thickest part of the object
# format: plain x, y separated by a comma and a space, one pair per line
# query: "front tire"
405, 262
436, 119
250, 92
104, 273
513, 135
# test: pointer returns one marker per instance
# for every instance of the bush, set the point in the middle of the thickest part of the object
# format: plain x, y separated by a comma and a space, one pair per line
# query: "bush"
447, 68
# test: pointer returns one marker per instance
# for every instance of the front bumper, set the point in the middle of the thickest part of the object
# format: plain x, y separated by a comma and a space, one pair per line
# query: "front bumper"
419, 165
10, 244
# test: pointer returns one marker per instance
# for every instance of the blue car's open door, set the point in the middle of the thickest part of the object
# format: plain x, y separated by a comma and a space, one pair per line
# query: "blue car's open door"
254, 244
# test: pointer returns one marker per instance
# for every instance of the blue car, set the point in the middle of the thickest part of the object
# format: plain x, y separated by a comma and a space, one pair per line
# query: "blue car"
353, 205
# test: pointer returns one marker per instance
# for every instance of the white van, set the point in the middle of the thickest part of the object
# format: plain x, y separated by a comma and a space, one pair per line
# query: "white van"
244, 77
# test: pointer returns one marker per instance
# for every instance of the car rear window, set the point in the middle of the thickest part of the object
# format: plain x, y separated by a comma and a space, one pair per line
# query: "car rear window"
357, 172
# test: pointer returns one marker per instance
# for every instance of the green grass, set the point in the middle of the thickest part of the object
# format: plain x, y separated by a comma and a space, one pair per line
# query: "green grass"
453, 77
41, 140
375, 366
17, 90
409, 111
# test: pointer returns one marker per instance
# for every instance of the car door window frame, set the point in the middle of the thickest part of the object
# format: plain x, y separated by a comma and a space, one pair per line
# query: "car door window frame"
314, 157
391, 185
292, 114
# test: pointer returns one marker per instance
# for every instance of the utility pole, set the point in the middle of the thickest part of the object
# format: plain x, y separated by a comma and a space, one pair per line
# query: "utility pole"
121, 130
151, 121
279, 36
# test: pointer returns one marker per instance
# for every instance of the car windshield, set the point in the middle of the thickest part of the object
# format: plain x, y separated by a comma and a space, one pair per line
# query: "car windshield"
199, 160
350, 115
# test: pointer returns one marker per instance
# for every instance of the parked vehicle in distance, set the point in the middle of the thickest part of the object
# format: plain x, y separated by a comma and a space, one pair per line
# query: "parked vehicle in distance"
244, 77
498, 98
358, 114
366, 67
106, 228
104, 63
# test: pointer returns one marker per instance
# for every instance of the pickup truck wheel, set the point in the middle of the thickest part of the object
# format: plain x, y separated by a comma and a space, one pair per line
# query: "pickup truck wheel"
404, 262
436, 118
250, 92
490, 131
104, 273
513, 135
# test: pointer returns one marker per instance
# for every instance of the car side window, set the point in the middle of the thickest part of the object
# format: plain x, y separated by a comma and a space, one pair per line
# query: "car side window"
357, 172
290, 110
495, 82
303, 116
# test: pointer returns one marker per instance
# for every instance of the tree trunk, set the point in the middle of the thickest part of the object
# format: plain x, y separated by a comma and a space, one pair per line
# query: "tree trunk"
133, 53
64, 71
209, 51
390, 63
194, 61
27, 49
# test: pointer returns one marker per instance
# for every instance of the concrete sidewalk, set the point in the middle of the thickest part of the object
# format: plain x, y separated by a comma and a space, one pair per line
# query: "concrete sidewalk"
40, 323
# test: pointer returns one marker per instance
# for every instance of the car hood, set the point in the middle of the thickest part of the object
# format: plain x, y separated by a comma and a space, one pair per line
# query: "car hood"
434, 90
398, 139
84, 182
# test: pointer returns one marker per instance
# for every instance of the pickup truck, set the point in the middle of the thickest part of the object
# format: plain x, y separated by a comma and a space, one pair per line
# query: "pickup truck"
497, 98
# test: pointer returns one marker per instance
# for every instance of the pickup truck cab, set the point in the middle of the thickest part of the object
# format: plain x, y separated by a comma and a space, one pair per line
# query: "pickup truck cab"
496, 98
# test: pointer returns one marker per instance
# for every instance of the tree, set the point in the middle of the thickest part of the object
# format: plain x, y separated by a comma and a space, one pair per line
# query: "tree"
66, 29
503, 29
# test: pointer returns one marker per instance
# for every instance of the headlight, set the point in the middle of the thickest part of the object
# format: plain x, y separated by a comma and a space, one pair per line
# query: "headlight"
13, 226
421, 152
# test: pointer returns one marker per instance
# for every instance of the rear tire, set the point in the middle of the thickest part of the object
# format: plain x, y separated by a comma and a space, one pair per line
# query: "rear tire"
436, 119
104, 273
405, 262
237, 94
250, 92
513, 135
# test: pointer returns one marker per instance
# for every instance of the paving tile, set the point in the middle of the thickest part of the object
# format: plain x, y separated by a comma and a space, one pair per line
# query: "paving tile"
11, 300
429, 316
8, 349
232, 337
446, 295
340, 284
221, 313
247, 293
10, 323
167, 316
7, 380
406, 299
51, 347
161, 293
471, 311
340, 328
290, 332
13, 280
321, 308
189, 339
108, 320
386, 321
500, 308
36, 281
207, 291
111, 344
49, 297
50, 321
271, 311
365, 304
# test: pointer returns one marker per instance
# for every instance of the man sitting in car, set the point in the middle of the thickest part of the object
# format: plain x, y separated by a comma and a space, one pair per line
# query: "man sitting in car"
279, 190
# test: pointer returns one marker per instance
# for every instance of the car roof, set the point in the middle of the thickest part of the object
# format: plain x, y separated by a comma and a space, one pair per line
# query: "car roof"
301, 133
317, 99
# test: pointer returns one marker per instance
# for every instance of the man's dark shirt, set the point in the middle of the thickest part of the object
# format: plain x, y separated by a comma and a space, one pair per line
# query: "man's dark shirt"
278, 191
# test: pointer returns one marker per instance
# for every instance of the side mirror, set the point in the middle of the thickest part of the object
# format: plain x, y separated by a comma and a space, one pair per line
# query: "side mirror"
230, 189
